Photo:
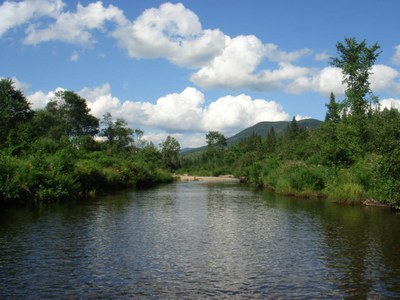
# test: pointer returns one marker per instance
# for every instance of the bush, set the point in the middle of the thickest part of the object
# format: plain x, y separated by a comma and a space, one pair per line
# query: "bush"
295, 177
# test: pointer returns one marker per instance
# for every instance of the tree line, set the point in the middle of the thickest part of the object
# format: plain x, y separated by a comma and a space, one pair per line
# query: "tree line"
63, 152
354, 155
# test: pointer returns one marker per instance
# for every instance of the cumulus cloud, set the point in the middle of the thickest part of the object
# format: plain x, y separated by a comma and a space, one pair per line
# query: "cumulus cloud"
39, 99
329, 79
75, 27
231, 113
324, 81
172, 32
383, 78
186, 111
13, 14
236, 66
100, 100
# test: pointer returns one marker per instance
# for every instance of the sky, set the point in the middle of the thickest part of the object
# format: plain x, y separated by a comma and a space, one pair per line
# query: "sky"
185, 68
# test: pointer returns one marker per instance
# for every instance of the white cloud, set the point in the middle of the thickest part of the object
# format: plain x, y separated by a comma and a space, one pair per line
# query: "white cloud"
13, 14
39, 99
396, 56
75, 27
173, 112
237, 65
323, 81
329, 79
186, 112
390, 103
172, 32
100, 100
383, 78
232, 113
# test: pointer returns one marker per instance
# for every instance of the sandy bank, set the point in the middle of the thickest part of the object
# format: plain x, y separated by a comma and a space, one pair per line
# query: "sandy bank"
226, 178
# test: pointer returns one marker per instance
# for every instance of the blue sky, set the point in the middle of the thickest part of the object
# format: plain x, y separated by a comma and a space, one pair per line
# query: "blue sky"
184, 68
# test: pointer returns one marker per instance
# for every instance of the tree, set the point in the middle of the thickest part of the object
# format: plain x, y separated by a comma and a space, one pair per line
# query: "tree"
333, 113
356, 60
216, 142
118, 134
215, 139
170, 149
14, 108
74, 113
270, 142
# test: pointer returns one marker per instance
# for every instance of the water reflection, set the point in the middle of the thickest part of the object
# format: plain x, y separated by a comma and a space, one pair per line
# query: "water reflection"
199, 240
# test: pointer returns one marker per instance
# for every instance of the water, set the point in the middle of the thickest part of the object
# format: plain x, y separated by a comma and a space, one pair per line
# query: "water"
198, 240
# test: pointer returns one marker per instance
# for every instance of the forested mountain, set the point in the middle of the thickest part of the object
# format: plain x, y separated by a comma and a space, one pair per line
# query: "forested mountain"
263, 128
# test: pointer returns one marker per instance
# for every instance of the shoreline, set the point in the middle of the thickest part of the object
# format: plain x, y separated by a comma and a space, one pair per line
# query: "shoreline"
224, 178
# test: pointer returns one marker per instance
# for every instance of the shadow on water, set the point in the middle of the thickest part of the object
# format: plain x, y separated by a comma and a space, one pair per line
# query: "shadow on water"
199, 240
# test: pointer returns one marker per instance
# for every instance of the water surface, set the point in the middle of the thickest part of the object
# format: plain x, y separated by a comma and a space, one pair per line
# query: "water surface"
199, 240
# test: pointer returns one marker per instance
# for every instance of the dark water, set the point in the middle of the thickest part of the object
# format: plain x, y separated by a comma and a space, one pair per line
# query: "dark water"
195, 240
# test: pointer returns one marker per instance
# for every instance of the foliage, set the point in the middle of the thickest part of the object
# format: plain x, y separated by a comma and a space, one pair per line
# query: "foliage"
170, 153
74, 114
356, 60
52, 155
14, 108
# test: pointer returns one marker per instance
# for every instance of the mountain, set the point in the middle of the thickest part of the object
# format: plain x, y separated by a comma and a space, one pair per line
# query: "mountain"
261, 129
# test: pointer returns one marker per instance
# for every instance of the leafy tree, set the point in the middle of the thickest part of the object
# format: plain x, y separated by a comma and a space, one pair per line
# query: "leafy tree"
74, 113
14, 108
216, 142
118, 134
215, 139
170, 153
139, 141
356, 60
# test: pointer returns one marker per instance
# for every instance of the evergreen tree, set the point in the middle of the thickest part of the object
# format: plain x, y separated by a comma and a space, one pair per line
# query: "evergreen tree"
333, 113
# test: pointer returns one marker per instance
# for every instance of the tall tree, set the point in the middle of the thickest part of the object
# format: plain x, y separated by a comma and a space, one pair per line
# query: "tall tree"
356, 60
215, 139
118, 134
14, 108
170, 153
216, 142
72, 109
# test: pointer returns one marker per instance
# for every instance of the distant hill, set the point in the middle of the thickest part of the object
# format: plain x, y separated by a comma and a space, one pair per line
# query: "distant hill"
261, 129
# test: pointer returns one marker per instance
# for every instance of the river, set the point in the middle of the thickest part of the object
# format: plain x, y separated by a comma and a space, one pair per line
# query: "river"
199, 240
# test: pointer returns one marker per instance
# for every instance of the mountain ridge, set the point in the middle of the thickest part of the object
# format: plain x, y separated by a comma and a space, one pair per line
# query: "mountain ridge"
261, 129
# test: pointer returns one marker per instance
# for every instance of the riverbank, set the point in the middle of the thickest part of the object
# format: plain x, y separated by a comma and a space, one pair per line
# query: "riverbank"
223, 178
